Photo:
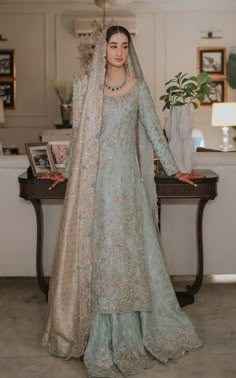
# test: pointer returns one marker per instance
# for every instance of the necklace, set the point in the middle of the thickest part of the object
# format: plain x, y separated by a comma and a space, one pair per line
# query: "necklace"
115, 87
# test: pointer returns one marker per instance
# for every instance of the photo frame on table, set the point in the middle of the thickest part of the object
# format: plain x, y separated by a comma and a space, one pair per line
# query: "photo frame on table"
212, 60
8, 93
7, 63
40, 157
218, 93
59, 151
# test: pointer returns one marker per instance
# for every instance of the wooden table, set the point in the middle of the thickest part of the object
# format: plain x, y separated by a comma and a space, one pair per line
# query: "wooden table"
170, 188
36, 190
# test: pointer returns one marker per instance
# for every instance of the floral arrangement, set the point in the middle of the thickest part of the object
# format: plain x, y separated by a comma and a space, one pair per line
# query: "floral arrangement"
64, 91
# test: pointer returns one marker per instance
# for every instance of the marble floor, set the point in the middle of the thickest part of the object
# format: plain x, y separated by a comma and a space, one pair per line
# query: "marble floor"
22, 315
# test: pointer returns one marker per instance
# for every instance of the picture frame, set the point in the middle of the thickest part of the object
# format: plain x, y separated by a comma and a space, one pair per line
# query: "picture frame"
218, 93
212, 60
59, 150
8, 93
7, 63
40, 157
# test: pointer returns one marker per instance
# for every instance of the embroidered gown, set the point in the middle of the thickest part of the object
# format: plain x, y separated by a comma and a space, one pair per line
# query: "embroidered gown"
136, 317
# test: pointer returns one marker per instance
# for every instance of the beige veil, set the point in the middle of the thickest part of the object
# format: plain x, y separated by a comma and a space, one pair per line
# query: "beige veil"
69, 310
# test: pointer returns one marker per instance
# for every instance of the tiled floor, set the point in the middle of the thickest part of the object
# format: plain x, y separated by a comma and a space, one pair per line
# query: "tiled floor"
22, 315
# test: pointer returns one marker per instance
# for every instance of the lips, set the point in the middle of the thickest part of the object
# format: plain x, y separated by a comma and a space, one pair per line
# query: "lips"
119, 59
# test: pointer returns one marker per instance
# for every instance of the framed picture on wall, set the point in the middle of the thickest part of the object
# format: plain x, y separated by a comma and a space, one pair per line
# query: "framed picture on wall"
212, 60
218, 93
40, 157
8, 93
7, 63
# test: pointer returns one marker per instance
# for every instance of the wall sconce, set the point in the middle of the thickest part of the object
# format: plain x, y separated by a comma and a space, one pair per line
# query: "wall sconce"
210, 34
224, 115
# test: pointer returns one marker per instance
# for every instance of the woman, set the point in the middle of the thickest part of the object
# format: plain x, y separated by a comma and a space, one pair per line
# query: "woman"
111, 299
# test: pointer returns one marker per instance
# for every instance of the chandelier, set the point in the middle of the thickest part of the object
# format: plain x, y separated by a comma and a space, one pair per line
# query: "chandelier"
87, 42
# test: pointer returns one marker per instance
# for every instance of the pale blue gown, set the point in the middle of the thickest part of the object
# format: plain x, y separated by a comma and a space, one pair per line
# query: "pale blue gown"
136, 317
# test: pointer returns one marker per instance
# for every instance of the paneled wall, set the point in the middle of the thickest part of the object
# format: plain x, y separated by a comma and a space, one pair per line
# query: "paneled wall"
46, 49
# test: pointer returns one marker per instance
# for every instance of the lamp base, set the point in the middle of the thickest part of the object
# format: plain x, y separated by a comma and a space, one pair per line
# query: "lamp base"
225, 139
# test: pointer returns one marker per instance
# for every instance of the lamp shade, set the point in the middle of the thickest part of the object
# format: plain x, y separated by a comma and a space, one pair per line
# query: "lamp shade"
1, 112
223, 114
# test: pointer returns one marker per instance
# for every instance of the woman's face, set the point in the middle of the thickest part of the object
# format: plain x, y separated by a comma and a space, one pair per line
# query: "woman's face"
117, 50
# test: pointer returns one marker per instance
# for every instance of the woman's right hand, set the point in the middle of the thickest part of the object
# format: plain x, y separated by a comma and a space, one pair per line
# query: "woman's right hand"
57, 178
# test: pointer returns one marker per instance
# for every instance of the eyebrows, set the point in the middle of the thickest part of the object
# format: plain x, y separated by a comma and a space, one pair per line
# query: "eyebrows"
116, 43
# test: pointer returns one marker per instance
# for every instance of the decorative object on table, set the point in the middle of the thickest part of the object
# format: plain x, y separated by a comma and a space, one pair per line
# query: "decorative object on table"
8, 78
59, 152
212, 60
64, 91
224, 115
182, 92
40, 157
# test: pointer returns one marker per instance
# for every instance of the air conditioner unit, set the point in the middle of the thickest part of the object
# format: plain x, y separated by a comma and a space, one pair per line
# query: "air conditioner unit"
82, 25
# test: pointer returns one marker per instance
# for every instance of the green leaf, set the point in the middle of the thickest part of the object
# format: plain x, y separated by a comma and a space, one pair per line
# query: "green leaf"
195, 105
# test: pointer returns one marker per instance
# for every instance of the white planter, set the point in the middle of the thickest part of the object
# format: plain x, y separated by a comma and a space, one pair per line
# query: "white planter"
179, 133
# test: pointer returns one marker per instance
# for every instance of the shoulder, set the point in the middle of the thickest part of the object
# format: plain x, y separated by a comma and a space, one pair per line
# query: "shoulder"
140, 83
143, 88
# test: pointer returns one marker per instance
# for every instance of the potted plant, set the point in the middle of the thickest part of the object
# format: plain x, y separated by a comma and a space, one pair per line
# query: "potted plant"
64, 92
187, 90
182, 92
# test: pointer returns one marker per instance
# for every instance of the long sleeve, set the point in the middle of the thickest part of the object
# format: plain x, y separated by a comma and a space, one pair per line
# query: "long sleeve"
151, 123
79, 89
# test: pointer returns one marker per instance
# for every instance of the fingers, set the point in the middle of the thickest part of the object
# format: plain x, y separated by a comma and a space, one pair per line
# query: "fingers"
188, 181
55, 183
195, 175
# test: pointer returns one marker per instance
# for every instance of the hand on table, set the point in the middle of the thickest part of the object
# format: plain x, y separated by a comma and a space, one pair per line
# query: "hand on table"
187, 177
57, 178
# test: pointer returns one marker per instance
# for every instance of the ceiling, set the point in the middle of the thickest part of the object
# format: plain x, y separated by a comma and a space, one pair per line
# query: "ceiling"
145, 5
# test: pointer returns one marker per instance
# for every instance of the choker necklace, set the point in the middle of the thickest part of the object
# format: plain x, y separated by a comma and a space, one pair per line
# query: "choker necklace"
115, 87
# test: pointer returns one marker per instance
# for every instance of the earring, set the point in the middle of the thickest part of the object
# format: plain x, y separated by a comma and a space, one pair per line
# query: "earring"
105, 66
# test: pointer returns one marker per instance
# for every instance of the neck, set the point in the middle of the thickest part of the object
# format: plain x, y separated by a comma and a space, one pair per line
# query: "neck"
114, 74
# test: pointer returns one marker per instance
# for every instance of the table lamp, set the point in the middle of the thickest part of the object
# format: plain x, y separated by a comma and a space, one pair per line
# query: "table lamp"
1, 111
224, 115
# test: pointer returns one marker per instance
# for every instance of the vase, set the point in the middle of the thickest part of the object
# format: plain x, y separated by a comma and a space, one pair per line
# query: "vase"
179, 133
66, 112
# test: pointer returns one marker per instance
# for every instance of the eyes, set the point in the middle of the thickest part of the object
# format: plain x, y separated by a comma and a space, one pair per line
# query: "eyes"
125, 47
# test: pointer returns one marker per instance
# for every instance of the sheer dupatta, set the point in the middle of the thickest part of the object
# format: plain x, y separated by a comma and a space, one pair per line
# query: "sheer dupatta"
69, 311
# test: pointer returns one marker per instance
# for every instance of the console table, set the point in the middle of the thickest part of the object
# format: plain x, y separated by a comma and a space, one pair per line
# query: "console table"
170, 188
35, 190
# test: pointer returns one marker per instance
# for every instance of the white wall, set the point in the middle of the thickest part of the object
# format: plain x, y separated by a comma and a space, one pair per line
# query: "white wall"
46, 49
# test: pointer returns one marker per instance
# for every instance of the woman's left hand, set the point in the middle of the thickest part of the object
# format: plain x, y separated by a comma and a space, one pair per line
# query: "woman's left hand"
187, 177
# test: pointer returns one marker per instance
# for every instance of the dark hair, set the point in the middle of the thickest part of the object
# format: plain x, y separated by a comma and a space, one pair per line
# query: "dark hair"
117, 29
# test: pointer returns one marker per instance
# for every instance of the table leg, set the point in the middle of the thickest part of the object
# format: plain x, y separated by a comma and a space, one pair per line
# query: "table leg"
195, 287
39, 251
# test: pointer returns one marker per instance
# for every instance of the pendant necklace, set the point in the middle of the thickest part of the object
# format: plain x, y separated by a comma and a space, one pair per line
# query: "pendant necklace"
115, 87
